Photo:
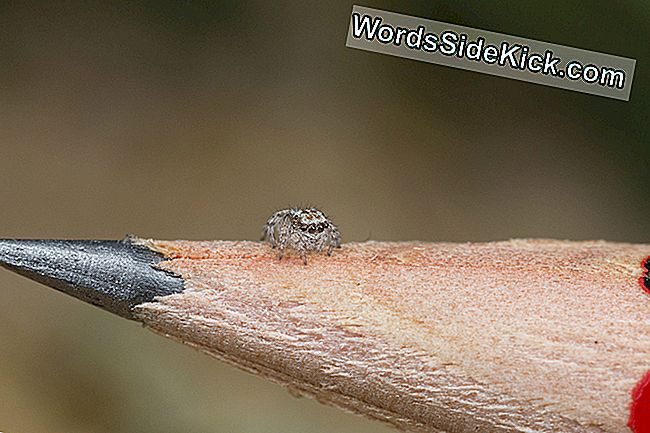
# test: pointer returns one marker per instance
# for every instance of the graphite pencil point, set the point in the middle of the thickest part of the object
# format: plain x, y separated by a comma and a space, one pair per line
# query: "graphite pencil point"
113, 275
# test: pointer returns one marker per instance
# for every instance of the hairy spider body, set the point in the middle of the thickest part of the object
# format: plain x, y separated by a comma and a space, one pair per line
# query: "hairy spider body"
303, 230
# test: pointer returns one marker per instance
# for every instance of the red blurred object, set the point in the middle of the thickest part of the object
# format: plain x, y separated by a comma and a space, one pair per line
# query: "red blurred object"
640, 411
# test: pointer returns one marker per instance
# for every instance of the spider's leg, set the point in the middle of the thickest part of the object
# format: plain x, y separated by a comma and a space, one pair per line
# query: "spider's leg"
282, 231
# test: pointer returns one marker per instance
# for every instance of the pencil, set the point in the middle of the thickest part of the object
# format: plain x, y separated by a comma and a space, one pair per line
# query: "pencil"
512, 336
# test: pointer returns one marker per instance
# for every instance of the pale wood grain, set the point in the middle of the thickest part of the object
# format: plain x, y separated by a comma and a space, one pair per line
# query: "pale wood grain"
516, 336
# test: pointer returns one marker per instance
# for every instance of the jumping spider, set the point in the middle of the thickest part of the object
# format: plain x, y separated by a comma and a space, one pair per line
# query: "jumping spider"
304, 230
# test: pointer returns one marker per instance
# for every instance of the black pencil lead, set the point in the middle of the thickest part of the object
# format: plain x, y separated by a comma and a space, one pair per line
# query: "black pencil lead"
113, 275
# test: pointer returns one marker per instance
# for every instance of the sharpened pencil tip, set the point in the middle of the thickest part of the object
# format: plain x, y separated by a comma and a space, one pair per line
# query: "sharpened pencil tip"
113, 275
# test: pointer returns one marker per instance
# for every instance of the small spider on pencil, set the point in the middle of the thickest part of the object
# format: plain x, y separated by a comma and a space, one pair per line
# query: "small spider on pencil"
303, 230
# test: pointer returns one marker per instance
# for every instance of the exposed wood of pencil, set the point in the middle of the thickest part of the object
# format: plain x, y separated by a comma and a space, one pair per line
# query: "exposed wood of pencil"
533, 336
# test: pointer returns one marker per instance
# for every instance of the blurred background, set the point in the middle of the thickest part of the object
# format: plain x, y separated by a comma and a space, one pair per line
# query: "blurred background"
196, 120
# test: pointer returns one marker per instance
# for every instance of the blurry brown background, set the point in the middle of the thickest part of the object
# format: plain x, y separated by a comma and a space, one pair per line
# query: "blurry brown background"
197, 120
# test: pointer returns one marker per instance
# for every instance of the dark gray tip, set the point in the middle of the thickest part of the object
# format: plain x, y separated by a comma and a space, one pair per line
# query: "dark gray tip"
114, 275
